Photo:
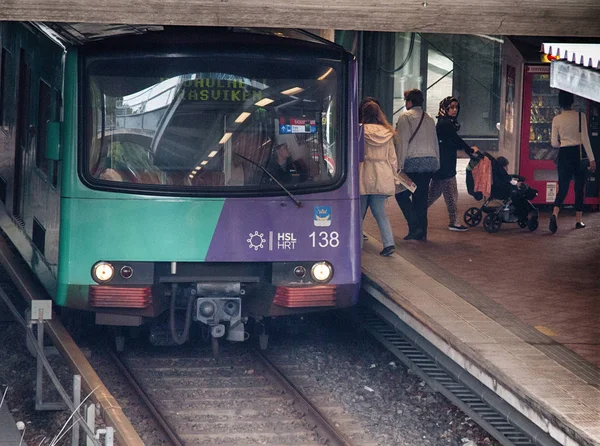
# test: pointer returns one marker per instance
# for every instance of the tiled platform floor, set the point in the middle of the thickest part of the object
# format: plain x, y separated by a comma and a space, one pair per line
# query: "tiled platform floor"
541, 288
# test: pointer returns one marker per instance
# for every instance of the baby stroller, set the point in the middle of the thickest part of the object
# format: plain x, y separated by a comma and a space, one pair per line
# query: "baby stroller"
508, 201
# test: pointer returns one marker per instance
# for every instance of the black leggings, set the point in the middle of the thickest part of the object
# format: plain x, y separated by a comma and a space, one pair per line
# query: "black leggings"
568, 167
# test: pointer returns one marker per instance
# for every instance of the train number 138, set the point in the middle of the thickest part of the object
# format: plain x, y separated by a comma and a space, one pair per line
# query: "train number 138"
325, 239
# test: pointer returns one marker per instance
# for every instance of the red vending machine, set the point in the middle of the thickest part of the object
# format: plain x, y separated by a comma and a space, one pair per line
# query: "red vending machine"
540, 105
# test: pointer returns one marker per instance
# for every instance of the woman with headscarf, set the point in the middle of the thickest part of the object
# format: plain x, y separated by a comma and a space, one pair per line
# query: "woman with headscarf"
377, 170
444, 180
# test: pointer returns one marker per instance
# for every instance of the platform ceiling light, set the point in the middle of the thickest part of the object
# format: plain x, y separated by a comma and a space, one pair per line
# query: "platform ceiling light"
324, 75
263, 102
321, 272
293, 90
198, 167
242, 117
204, 163
191, 176
213, 153
225, 138
194, 171
103, 272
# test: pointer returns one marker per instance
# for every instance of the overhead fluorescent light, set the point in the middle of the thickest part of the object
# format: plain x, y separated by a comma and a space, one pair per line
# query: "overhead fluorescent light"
213, 153
191, 176
293, 90
195, 171
263, 102
324, 75
204, 163
225, 138
242, 117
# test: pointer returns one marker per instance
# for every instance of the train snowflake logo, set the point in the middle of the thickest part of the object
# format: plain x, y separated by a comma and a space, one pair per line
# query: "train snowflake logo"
256, 240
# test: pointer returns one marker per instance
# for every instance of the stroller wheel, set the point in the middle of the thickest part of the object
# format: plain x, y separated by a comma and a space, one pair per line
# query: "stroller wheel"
533, 224
472, 216
523, 223
492, 223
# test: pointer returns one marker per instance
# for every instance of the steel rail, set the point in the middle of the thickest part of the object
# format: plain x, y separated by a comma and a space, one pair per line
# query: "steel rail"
324, 425
31, 289
154, 411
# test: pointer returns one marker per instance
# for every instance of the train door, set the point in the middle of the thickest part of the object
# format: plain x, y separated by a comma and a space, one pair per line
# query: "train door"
23, 133
42, 204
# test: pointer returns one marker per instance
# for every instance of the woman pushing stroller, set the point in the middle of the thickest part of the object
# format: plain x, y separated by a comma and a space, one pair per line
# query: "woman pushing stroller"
444, 180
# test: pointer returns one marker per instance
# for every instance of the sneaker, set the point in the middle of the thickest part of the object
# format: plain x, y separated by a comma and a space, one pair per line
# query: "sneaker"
387, 251
579, 225
459, 228
553, 225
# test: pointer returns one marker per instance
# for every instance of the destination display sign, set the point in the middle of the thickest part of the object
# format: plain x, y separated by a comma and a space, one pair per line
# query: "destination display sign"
288, 126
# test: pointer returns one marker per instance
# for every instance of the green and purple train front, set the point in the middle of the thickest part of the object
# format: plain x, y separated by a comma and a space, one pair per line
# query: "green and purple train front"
227, 172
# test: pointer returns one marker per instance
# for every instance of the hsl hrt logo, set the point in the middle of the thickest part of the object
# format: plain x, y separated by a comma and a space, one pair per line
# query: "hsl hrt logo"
286, 240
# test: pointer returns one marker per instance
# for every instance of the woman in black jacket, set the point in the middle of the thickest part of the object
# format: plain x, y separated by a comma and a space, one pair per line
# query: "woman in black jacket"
444, 180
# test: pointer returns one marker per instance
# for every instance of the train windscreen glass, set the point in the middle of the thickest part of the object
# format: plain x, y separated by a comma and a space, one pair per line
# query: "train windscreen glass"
214, 129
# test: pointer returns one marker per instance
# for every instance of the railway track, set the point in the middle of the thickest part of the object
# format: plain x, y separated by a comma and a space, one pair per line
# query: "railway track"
242, 399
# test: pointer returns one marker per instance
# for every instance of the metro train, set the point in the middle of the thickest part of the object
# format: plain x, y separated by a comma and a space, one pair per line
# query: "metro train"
161, 176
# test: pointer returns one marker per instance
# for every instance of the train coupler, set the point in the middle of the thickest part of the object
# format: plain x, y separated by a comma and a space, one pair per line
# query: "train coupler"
217, 312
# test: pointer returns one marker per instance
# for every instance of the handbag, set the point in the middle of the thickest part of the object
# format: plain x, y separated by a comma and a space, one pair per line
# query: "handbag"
584, 163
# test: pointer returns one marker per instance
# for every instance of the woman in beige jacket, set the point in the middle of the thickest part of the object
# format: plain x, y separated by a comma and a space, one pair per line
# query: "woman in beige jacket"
377, 171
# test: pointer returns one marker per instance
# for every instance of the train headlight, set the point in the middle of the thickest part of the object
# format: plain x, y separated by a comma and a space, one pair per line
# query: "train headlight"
103, 272
321, 272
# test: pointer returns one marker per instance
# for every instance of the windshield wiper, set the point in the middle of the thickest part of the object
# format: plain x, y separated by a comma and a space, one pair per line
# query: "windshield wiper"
292, 196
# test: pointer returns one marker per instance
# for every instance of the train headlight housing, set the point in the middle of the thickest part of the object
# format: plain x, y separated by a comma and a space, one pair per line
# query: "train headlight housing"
321, 272
126, 272
103, 272
300, 272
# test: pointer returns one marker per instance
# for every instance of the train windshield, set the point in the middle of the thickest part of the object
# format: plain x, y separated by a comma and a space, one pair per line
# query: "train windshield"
191, 125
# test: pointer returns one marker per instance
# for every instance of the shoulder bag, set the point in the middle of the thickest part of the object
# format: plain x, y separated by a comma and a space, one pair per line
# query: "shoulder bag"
421, 122
584, 162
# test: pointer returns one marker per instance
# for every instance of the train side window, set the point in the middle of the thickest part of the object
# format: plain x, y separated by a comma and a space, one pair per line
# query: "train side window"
5, 84
56, 106
2, 84
44, 115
